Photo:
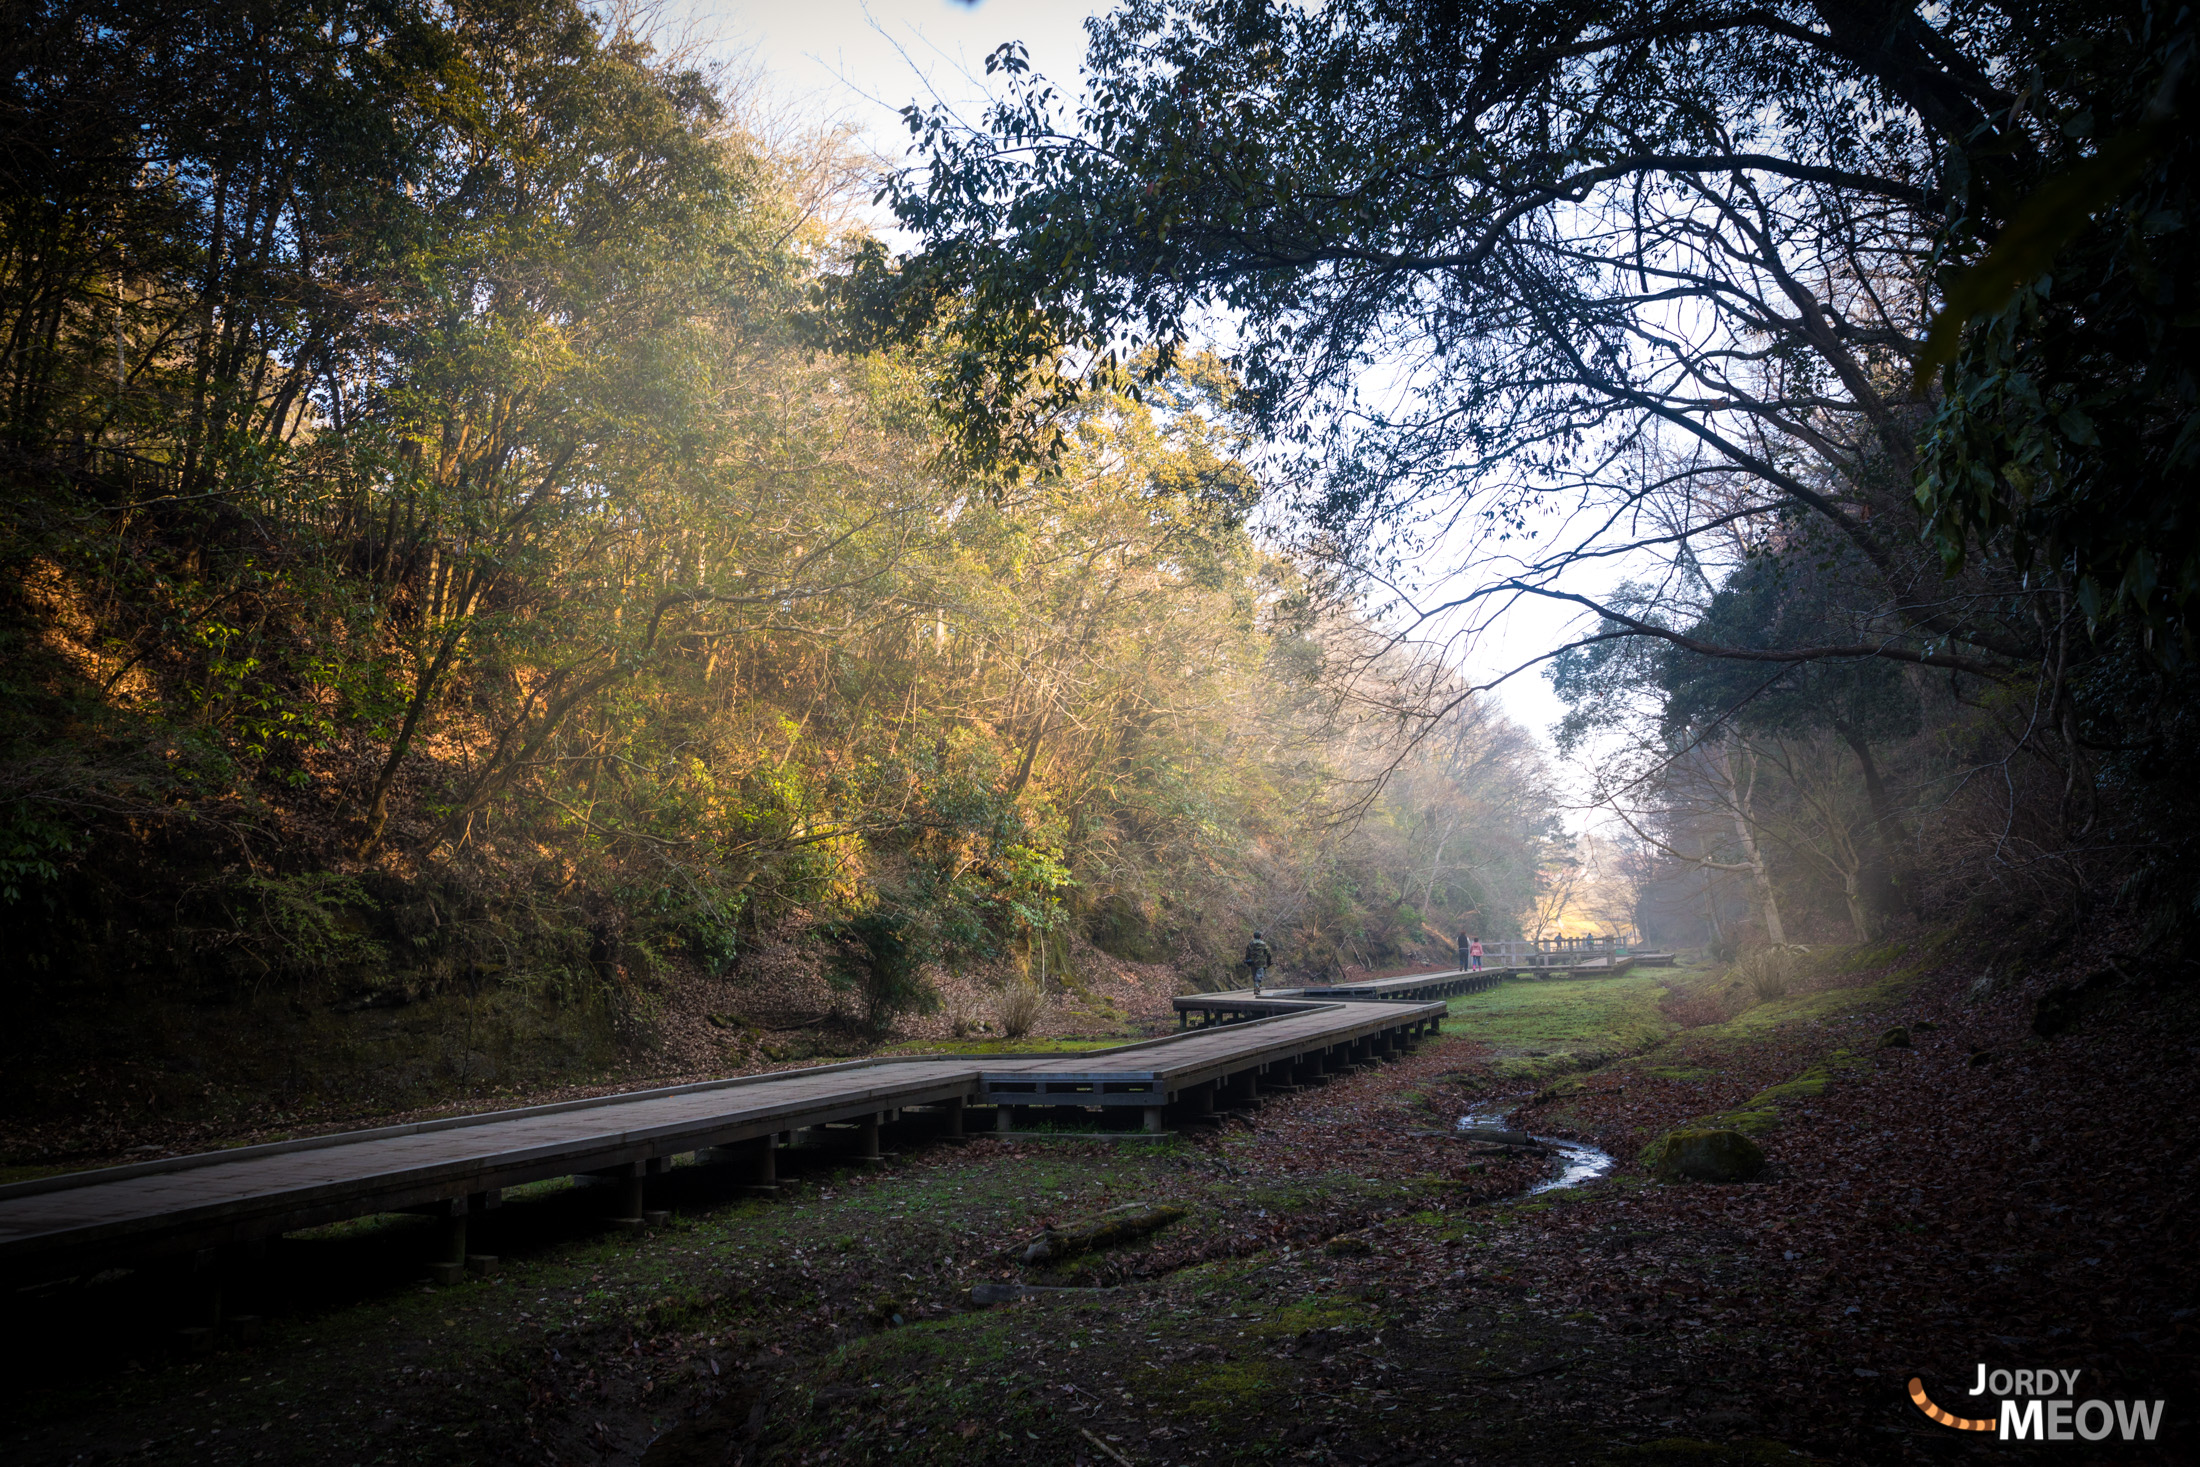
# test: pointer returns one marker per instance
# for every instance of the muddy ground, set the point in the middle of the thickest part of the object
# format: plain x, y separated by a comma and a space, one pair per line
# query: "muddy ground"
1349, 1283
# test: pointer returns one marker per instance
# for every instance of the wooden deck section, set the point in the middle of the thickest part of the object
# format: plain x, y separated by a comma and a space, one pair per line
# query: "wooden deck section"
1415, 985
1241, 1004
58, 1225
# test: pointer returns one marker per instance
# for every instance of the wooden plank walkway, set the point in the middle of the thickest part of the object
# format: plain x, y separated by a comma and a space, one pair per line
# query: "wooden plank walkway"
57, 1225
1243, 1003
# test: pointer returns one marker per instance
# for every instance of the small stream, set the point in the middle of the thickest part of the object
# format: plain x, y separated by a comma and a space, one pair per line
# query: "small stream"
1582, 1163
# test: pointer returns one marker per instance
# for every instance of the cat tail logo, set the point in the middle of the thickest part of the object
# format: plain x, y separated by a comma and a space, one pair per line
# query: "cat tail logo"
2040, 1419
1945, 1418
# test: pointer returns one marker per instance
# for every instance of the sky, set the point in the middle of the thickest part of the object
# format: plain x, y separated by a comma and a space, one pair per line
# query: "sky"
859, 62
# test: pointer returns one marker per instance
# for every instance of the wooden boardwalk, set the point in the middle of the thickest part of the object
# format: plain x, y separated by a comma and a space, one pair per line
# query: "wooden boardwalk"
55, 1226
1241, 1004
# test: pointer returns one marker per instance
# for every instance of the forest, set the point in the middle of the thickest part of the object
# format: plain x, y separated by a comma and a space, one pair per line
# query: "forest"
553, 598
456, 545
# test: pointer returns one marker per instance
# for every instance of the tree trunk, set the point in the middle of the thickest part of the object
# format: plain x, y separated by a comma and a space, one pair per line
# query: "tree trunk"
1860, 917
1739, 792
1885, 894
378, 807
1710, 897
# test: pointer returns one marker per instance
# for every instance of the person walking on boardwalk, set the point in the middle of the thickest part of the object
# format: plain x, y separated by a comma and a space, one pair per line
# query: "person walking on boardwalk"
1474, 953
1260, 960
1462, 946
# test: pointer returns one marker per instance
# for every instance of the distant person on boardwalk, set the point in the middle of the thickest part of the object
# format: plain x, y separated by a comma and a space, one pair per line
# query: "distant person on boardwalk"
1462, 945
1474, 953
1260, 960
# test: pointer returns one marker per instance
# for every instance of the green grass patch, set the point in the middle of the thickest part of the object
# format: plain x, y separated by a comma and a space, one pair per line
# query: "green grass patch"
1543, 1030
1761, 1112
1232, 1388
1863, 957
1315, 1311
1780, 1013
1577, 1014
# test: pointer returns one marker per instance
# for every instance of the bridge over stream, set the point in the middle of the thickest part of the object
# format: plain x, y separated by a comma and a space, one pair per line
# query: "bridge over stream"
213, 1205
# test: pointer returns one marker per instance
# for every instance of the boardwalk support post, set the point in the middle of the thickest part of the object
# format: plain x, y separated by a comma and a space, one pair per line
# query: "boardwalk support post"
627, 1198
954, 1129
763, 1160
867, 1153
656, 1166
755, 1161
450, 1266
1153, 1120
447, 1263
483, 1264
203, 1302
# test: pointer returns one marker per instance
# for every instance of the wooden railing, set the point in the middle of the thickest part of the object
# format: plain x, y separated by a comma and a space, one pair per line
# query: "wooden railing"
1556, 952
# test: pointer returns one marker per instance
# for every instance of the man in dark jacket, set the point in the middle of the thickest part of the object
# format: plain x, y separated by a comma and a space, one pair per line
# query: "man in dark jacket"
1260, 960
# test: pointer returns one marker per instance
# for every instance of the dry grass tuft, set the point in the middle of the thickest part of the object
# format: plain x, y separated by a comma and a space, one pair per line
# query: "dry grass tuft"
1020, 1006
1770, 972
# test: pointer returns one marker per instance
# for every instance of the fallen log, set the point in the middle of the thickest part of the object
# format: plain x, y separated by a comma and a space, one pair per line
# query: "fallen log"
1121, 1225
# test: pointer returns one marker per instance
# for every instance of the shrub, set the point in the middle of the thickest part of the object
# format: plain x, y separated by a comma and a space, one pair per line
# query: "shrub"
305, 925
1019, 1006
1769, 971
882, 959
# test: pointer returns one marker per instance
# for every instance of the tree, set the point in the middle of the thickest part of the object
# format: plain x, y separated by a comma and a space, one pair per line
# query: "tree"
1571, 240
1802, 598
1670, 271
437, 544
